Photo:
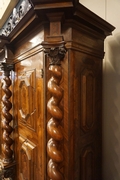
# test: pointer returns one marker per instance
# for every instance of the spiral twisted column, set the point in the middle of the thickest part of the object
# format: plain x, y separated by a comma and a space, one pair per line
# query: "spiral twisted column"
7, 152
54, 127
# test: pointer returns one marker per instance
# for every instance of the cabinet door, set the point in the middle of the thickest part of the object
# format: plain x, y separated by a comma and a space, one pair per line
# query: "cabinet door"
28, 113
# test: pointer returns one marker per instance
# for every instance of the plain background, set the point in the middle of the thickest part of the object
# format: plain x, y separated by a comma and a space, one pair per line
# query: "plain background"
109, 10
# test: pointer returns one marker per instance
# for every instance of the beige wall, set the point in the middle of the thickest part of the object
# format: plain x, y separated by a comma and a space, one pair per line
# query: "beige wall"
97, 6
110, 11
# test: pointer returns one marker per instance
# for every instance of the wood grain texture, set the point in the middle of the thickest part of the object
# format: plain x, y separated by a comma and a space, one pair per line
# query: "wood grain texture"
6, 116
57, 50
54, 124
28, 101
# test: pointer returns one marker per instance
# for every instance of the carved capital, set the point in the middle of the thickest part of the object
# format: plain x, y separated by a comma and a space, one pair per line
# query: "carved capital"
6, 68
7, 171
55, 52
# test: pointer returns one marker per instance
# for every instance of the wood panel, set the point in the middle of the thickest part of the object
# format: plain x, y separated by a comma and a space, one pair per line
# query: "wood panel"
29, 114
88, 111
27, 150
57, 50
27, 89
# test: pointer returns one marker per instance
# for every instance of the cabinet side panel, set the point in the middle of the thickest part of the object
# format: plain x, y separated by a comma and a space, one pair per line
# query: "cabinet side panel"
88, 134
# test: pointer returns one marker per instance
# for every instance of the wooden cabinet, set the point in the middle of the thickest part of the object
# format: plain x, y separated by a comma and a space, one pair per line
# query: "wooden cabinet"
51, 114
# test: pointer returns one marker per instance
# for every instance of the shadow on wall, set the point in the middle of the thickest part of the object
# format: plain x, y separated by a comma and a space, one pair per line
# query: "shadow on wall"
111, 109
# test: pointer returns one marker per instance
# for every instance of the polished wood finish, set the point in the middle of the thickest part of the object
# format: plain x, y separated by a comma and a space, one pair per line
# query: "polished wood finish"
54, 124
28, 90
6, 115
57, 50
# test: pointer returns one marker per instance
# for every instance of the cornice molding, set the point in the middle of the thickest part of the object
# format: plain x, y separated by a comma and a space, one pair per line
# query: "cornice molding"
17, 14
21, 19
6, 9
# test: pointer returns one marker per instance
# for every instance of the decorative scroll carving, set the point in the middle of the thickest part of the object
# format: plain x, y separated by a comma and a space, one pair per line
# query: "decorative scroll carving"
17, 14
6, 116
54, 127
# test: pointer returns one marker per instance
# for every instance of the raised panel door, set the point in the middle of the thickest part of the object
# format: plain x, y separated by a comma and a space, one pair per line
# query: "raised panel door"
28, 105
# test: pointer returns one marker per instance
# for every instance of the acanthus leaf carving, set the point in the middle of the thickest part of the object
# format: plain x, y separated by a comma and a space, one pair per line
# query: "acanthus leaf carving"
55, 52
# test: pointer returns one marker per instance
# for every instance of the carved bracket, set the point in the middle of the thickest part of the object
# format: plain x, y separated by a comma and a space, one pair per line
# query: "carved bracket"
6, 68
54, 51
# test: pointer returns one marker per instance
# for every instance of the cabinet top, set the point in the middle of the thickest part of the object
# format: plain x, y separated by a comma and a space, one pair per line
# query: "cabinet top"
53, 1
28, 13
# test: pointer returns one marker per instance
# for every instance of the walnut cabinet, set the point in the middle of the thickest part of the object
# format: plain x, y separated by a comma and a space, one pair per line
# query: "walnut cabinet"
51, 56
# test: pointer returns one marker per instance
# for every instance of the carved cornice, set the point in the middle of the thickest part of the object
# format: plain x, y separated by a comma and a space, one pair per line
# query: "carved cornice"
18, 13
45, 4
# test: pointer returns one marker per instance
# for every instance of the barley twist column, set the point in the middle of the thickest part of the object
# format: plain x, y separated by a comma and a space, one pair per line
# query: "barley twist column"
7, 152
54, 127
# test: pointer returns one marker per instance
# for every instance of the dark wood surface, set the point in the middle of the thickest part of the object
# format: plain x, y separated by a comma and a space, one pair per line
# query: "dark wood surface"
57, 92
